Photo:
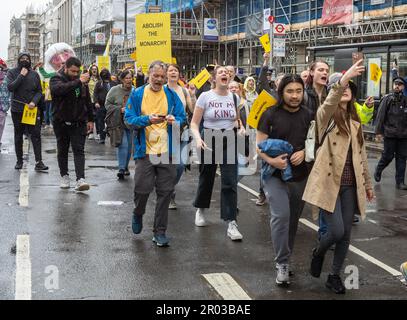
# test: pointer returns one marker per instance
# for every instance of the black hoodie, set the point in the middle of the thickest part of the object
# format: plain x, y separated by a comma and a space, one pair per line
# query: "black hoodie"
23, 89
70, 99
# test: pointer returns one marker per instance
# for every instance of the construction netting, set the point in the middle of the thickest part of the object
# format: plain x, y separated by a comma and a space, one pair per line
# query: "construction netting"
96, 14
175, 5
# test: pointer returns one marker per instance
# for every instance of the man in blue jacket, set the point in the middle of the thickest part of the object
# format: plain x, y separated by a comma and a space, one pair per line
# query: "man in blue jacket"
155, 113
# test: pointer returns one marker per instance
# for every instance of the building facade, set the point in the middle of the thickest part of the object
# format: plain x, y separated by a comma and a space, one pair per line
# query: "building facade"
48, 27
63, 13
25, 37
14, 46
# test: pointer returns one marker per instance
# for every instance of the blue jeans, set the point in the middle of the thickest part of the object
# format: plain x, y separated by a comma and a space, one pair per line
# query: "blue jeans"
124, 150
183, 160
48, 113
323, 226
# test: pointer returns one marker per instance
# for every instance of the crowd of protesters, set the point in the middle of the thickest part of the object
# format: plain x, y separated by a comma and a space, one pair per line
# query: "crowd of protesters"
154, 117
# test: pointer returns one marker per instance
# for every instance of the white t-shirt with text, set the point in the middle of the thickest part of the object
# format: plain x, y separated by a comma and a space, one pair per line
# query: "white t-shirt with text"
219, 111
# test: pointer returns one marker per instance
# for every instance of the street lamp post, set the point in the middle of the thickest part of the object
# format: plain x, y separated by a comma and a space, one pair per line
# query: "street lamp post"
81, 13
125, 18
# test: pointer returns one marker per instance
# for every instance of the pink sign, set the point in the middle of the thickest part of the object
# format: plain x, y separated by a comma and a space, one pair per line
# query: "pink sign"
337, 12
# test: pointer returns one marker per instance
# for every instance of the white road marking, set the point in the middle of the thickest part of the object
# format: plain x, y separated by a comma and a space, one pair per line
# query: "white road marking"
110, 203
226, 286
256, 194
371, 211
359, 252
372, 221
24, 181
23, 272
24, 187
366, 239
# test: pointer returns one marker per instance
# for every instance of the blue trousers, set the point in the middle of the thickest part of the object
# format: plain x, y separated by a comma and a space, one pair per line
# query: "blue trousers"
124, 150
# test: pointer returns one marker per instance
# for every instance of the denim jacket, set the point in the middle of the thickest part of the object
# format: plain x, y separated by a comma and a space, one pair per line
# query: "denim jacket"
134, 118
274, 148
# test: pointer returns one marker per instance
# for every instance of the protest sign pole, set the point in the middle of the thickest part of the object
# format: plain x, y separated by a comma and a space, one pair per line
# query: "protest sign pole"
271, 20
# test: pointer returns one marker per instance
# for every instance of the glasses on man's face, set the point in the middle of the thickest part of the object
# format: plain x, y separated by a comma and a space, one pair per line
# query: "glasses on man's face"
399, 84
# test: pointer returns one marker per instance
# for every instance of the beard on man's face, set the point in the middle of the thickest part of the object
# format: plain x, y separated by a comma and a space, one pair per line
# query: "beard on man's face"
292, 103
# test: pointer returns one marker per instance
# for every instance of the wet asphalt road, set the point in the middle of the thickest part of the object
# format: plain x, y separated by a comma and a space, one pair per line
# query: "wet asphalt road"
98, 257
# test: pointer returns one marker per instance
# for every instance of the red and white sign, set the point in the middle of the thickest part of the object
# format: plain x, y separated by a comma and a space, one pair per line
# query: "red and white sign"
337, 12
271, 19
100, 38
279, 29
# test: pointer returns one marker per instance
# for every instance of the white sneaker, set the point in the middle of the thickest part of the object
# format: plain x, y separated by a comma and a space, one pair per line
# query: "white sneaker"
65, 182
233, 232
81, 185
283, 275
98, 137
91, 137
200, 218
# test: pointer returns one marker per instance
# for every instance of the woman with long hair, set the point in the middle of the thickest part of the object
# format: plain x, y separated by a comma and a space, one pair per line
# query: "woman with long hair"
120, 135
218, 109
339, 182
188, 99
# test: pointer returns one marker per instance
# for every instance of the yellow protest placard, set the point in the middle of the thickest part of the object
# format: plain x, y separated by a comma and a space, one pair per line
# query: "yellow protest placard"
153, 38
174, 60
260, 105
201, 79
103, 62
133, 56
375, 72
29, 116
265, 42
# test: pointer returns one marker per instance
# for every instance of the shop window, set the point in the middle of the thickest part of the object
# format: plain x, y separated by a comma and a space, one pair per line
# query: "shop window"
368, 86
400, 58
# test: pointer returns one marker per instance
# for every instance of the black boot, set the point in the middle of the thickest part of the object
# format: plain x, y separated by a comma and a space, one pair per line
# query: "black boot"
19, 165
316, 264
40, 166
377, 175
335, 284
120, 175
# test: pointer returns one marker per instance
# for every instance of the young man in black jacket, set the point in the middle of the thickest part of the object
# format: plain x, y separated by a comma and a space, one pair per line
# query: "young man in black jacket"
72, 119
24, 85
391, 123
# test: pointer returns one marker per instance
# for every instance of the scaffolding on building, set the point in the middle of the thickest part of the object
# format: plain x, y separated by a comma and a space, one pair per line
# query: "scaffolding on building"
304, 30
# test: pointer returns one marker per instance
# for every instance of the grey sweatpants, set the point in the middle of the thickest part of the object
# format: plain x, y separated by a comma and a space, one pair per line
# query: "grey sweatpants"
286, 205
339, 227
162, 177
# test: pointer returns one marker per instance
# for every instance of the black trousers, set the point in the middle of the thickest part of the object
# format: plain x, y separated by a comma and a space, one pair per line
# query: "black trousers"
71, 135
229, 172
34, 132
100, 122
394, 148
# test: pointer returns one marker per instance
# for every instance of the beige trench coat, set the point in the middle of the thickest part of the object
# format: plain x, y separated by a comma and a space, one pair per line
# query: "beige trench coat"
324, 181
